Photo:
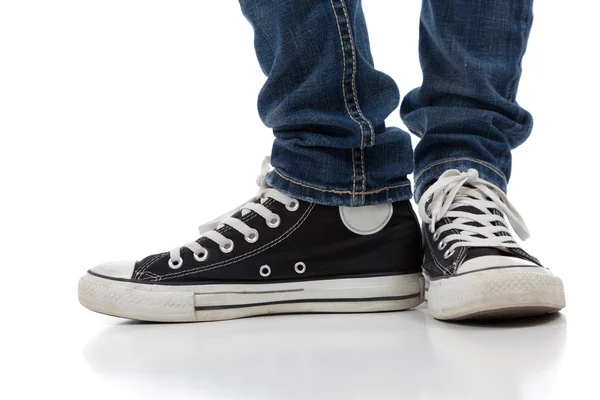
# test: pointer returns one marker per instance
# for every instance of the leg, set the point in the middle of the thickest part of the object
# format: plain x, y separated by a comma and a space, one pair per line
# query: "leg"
468, 120
465, 111
327, 104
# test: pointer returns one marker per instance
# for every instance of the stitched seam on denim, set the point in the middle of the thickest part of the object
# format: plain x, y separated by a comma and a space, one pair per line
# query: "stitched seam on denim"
337, 21
353, 177
364, 178
354, 93
145, 266
374, 191
254, 252
415, 130
449, 160
373, 230
355, 100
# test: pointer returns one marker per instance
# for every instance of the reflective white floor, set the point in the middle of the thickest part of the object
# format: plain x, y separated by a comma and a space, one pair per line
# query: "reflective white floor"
402, 355
382, 356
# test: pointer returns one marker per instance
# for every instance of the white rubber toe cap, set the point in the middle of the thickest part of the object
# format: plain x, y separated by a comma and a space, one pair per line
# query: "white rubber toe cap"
116, 269
486, 262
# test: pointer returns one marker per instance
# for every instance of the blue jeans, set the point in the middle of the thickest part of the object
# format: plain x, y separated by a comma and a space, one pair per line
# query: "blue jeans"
327, 104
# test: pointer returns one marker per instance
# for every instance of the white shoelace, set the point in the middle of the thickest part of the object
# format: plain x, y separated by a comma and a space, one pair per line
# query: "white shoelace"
449, 193
209, 229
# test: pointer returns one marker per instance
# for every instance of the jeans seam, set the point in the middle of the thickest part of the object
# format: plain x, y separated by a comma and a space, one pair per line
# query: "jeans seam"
354, 93
374, 191
353, 178
353, 89
449, 160
364, 178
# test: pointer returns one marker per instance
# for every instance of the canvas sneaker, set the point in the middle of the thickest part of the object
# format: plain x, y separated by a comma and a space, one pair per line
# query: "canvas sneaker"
274, 254
473, 266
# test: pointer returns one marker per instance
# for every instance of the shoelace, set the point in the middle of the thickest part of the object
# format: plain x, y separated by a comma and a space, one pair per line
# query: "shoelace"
455, 189
209, 229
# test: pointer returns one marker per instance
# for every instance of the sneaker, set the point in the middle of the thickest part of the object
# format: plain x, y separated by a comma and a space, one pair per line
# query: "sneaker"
274, 254
473, 266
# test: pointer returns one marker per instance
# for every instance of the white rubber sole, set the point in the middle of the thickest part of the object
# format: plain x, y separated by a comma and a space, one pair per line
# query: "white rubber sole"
496, 293
212, 302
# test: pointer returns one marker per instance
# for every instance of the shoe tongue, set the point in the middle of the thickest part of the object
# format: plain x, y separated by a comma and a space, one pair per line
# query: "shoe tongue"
470, 210
474, 252
476, 211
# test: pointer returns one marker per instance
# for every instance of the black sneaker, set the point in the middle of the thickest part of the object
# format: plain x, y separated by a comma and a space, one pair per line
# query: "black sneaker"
273, 255
473, 266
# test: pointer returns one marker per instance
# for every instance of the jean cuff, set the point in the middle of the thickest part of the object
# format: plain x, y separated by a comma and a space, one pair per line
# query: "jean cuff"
430, 173
308, 192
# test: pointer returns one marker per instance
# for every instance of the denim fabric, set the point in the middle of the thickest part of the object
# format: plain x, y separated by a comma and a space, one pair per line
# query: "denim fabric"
465, 110
327, 104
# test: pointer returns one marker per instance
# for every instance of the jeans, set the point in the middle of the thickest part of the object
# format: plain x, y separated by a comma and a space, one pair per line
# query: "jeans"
327, 104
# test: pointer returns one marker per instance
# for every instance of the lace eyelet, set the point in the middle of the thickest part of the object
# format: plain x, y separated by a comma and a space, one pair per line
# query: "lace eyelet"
448, 254
436, 236
202, 257
175, 265
441, 245
300, 267
227, 248
264, 271
293, 206
252, 237
274, 222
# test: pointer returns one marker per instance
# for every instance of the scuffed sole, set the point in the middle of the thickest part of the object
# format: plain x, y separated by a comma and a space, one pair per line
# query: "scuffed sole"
511, 292
212, 302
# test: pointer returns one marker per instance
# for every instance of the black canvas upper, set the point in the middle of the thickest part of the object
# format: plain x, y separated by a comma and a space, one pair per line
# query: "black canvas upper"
313, 234
437, 266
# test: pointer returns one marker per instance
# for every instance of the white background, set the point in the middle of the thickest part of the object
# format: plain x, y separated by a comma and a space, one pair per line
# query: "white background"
124, 124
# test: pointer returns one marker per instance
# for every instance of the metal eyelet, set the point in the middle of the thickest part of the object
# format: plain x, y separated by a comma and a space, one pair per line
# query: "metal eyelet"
436, 236
227, 248
274, 222
264, 271
293, 206
300, 267
442, 245
176, 265
252, 237
202, 257
448, 254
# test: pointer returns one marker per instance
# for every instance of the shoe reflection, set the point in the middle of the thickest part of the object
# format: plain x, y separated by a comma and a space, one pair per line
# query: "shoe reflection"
404, 355
512, 359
